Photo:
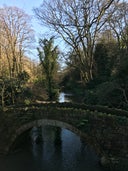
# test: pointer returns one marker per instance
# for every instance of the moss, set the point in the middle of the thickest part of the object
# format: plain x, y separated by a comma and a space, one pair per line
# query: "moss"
122, 120
82, 123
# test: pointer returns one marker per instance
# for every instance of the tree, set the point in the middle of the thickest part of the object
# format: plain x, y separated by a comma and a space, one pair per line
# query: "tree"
48, 55
118, 23
121, 78
125, 39
13, 91
2, 93
78, 23
105, 56
16, 36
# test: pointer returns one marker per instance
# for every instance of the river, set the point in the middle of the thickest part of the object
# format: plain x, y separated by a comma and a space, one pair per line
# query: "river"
52, 149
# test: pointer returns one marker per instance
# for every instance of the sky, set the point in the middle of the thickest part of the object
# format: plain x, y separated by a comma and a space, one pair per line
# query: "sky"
27, 6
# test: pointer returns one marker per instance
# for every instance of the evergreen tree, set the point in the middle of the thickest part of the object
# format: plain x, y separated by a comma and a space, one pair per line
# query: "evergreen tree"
48, 55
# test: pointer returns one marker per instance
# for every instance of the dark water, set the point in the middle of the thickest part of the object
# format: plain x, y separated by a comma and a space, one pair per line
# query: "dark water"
65, 152
51, 149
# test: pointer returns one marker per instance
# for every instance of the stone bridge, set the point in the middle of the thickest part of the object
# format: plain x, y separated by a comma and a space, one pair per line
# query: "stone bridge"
105, 130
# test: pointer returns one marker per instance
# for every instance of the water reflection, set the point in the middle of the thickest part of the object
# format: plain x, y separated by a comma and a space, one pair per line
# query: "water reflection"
62, 150
64, 97
56, 150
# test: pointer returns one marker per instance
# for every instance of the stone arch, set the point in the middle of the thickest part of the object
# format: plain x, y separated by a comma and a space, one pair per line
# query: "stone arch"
42, 122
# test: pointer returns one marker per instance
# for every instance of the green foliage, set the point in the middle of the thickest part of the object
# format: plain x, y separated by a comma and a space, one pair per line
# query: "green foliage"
27, 102
122, 120
23, 77
90, 97
122, 73
13, 90
48, 55
110, 84
108, 94
82, 123
101, 61
105, 57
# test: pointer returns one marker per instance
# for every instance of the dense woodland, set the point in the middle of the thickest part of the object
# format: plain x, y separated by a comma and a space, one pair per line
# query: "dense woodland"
95, 33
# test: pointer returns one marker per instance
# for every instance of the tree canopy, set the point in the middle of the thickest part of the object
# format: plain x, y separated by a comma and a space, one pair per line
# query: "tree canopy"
78, 23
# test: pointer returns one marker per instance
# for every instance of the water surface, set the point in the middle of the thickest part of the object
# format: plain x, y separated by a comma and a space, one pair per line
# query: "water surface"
67, 152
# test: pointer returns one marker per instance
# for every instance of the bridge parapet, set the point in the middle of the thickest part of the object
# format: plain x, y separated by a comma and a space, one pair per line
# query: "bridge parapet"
106, 133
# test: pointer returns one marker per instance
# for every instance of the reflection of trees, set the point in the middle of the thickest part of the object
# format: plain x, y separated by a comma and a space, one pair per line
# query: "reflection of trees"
37, 141
58, 145
57, 140
46, 140
83, 146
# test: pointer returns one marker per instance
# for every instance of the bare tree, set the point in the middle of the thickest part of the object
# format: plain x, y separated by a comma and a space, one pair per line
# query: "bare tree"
78, 22
15, 37
118, 23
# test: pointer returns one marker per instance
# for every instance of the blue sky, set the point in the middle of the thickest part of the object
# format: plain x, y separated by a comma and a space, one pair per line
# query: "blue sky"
27, 6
